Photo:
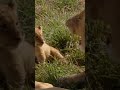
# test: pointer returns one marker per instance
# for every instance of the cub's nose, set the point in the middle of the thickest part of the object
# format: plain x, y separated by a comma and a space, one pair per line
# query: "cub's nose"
42, 42
18, 38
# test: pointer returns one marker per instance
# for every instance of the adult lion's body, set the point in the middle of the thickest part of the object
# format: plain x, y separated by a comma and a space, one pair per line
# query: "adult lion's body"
76, 25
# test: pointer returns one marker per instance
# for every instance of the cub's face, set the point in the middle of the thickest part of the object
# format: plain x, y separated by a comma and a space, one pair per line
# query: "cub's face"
10, 34
39, 40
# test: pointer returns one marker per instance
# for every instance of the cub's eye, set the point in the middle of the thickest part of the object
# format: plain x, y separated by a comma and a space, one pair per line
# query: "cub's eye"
36, 37
16, 23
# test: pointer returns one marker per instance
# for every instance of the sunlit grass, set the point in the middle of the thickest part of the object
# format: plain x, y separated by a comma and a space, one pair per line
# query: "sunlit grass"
52, 15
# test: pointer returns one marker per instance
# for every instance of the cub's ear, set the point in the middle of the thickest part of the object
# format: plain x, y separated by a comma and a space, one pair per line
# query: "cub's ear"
39, 27
12, 4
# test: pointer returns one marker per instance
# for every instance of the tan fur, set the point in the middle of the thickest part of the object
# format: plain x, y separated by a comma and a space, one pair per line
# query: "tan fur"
41, 85
56, 88
46, 86
16, 55
42, 49
76, 25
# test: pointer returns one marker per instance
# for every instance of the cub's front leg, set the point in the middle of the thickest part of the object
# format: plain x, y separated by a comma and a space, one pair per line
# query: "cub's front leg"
15, 77
13, 71
40, 54
56, 53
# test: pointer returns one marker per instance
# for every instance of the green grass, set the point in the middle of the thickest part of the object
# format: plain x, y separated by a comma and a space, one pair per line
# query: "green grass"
52, 15
103, 75
26, 13
50, 72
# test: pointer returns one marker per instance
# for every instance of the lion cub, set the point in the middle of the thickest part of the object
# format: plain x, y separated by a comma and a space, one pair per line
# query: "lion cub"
16, 55
76, 25
42, 49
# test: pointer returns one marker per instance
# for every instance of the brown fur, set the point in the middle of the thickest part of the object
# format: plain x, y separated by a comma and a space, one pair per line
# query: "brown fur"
76, 25
42, 49
72, 79
77, 79
16, 55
